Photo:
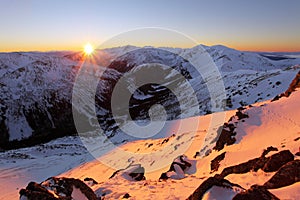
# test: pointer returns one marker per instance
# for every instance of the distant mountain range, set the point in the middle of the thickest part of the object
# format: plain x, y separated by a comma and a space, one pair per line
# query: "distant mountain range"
36, 88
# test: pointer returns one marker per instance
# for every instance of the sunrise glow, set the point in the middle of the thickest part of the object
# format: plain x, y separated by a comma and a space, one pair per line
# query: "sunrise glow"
88, 49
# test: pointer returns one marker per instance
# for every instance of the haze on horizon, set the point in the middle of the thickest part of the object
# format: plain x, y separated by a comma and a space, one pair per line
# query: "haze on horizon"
257, 25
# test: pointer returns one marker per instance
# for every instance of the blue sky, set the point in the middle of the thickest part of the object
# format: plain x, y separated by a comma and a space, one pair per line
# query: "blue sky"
68, 24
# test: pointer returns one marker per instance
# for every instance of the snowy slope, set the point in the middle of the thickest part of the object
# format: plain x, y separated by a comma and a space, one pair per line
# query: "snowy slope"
18, 167
275, 124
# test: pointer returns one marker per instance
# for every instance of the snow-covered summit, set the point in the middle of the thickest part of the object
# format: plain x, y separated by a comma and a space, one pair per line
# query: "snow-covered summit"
36, 88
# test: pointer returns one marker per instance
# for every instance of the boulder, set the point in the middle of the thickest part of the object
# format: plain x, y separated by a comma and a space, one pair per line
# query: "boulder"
56, 188
288, 174
255, 192
209, 183
179, 167
269, 164
277, 160
226, 136
133, 172
268, 150
215, 163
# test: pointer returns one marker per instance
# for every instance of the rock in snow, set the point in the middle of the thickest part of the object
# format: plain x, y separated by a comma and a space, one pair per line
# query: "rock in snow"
58, 188
288, 174
255, 192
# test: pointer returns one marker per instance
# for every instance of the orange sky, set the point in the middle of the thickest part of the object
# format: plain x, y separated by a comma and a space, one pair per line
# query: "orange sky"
256, 25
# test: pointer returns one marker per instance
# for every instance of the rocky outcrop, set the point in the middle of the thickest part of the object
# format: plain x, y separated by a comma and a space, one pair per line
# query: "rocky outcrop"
90, 181
227, 131
288, 174
134, 172
275, 161
294, 84
255, 192
35, 191
240, 115
178, 168
215, 163
268, 150
269, 164
209, 183
56, 189
226, 137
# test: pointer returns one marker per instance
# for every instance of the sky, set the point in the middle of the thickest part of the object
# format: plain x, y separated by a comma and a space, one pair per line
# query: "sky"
46, 25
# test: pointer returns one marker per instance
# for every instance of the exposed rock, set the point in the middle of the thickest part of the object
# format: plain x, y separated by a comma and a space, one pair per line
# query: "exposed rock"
215, 163
294, 84
241, 115
286, 175
269, 164
275, 161
126, 196
133, 172
61, 187
209, 183
138, 174
255, 192
269, 149
196, 154
36, 195
251, 165
226, 137
177, 169
90, 181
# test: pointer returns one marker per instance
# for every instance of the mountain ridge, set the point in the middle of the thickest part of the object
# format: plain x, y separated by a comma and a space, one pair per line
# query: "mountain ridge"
36, 87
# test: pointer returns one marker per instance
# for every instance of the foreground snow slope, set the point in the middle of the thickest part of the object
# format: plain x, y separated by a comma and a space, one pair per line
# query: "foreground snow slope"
274, 124
18, 167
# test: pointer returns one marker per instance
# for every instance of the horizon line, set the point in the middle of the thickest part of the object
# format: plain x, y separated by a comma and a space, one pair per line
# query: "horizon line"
142, 46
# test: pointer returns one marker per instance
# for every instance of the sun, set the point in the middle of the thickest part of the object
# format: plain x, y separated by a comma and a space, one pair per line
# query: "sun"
88, 49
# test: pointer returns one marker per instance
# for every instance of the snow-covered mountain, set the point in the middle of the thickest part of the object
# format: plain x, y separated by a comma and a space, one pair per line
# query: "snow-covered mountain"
255, 156
36, 88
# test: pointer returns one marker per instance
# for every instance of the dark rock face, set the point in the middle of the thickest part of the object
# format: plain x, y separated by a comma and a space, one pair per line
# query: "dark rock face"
209, 183
91, 180
136, 172
255, 192
46, 123
62, 187
275, 161
288, 174
269, 149
151, 93
126, 196
179, 166
227, 133
251, 165
294, 84
36, 105
215, 163
37, 192
241, 115
269, 164
226, 136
